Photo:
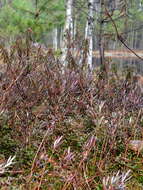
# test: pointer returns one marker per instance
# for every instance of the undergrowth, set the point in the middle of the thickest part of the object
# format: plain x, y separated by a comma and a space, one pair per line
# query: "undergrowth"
68, 128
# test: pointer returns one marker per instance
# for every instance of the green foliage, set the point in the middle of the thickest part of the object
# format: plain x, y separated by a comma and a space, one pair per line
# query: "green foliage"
8, 145
140, 179
42, 17
25, 156
99, 187
17, 17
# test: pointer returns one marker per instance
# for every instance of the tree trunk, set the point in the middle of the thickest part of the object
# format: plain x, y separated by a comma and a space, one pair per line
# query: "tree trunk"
55, 39
101, 35
89, 31
68, 31
69, 17
60, 37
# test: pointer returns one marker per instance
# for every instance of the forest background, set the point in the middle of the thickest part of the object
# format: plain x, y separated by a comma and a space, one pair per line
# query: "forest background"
44, 17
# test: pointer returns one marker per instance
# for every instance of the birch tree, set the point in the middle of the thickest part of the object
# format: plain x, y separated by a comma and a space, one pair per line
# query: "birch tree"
89, 31
69, 17
55, 39
68, 30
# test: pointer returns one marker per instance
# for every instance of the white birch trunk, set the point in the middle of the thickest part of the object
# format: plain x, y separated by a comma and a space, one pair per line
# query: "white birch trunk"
55, 39
89, 31
86, 30
61, 38
68, 28
75, 28
69, 17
